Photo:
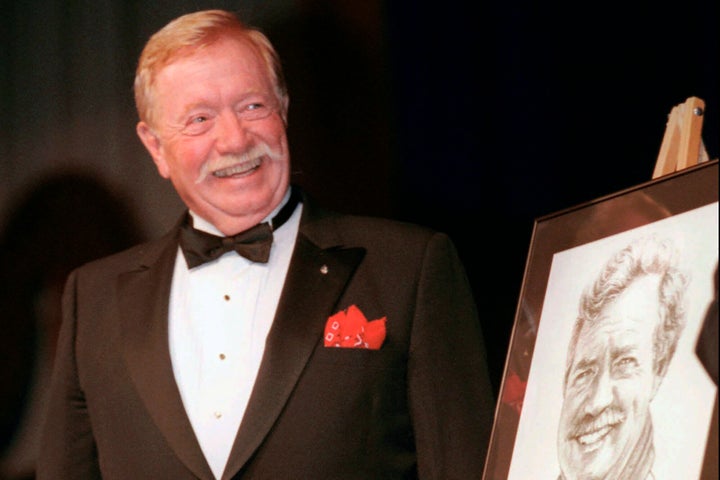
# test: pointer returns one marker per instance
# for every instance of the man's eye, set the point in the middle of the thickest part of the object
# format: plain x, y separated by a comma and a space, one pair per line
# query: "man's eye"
625, 365
197, 125
255, 111
582, 376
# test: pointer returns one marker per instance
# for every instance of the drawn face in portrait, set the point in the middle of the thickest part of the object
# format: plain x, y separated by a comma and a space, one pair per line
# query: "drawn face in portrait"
610, 383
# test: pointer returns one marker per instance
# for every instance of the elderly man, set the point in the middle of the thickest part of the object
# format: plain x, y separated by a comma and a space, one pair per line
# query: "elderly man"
263, 337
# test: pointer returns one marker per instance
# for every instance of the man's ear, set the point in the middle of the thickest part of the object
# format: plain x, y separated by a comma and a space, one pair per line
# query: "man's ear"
284, 108
152, 143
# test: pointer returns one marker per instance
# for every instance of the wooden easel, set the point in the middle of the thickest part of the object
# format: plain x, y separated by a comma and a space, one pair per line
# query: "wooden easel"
682, 145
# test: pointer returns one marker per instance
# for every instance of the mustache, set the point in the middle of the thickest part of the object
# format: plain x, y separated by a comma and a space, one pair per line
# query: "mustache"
252, 155
591, 423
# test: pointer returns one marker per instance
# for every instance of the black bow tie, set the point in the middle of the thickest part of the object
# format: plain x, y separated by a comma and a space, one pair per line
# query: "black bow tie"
254, 244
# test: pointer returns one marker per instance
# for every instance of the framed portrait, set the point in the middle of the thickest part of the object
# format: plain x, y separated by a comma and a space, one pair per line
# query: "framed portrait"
602, 378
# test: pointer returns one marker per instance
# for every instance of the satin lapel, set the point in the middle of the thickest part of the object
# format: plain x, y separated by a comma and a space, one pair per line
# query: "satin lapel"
315, 281
144, 297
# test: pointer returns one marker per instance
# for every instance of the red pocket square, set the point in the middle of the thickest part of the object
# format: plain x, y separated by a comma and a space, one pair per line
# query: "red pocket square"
350, 329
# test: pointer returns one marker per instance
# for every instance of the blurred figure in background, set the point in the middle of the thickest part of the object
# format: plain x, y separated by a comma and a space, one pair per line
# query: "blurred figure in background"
63, 221
707, 343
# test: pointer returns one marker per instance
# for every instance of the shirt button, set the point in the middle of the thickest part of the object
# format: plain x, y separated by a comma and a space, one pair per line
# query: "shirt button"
222, 356
218, 415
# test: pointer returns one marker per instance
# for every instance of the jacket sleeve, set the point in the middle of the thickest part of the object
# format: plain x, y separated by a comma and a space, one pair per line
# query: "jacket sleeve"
67, 447
450, 392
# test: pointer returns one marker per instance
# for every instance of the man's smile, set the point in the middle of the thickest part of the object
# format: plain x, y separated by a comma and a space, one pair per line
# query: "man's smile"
238, 169
590, 434
591, 441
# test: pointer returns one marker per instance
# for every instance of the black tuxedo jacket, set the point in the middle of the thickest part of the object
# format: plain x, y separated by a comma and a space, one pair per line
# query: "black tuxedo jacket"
419, 407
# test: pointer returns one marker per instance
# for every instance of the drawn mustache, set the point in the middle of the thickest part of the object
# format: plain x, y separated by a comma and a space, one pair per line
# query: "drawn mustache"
589, 424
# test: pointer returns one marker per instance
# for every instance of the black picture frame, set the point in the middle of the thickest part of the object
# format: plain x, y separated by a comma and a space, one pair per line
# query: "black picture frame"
658, 203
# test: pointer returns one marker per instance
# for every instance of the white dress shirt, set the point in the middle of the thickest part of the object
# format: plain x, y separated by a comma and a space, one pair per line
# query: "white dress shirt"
220, 314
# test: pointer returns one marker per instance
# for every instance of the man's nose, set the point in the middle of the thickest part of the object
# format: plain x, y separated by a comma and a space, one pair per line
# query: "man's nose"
601, 394
231, 133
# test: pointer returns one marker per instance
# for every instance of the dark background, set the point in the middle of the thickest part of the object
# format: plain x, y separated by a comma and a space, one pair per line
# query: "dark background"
478, 118
475, 118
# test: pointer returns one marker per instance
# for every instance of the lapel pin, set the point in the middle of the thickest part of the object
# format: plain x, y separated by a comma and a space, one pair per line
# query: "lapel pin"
324, 269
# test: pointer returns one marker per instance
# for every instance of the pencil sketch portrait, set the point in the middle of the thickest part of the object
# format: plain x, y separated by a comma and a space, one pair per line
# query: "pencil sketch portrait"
626, 332
615, 390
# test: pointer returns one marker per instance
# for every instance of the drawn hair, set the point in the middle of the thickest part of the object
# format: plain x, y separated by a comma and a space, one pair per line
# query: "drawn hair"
644, 256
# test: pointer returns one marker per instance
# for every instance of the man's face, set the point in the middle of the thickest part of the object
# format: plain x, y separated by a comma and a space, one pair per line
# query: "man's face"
228, 161
610, 385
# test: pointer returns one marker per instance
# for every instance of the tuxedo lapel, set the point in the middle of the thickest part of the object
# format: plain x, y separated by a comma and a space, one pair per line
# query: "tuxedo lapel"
316, 279
318, 274
144, 298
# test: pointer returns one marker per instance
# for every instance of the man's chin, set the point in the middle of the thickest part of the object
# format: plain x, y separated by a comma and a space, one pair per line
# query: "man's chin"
589, 462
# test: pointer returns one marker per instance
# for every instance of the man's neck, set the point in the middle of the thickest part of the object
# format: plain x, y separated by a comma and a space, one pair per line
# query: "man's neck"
205, 225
